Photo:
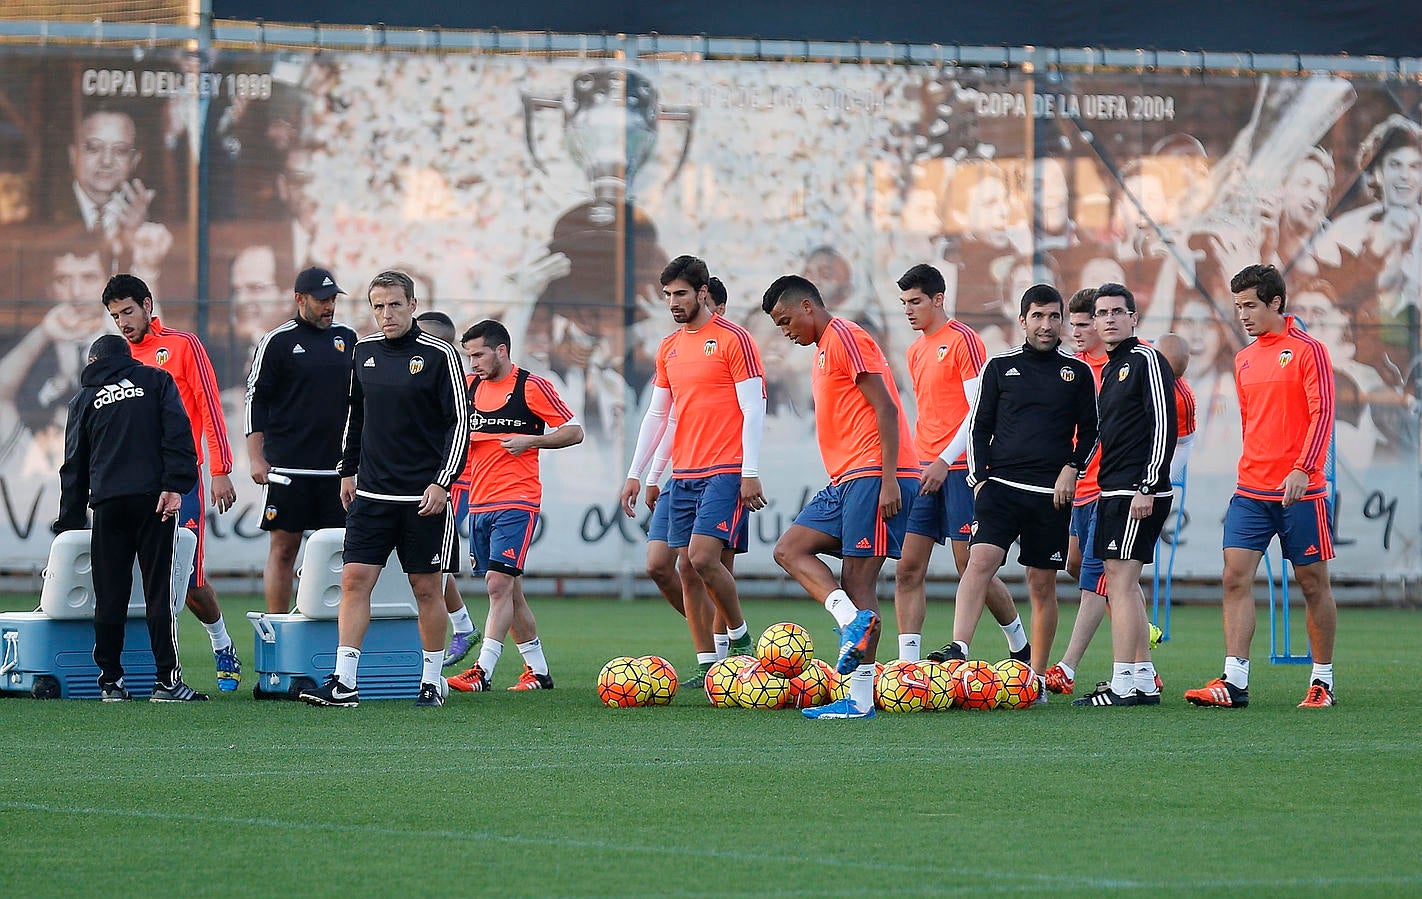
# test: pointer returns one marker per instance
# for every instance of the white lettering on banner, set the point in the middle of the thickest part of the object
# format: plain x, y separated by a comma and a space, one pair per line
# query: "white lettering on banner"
1095, 107
161, 83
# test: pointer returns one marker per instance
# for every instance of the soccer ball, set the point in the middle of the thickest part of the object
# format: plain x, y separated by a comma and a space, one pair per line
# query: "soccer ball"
839, 686
955, 686
785, 649
811, 687
940, 685
1018, 687
903, 687
756, 688
977, 684
721, 680
664, 682
624, 682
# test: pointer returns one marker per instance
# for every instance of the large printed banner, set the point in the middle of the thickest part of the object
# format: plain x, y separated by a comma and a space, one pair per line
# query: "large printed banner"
549, 194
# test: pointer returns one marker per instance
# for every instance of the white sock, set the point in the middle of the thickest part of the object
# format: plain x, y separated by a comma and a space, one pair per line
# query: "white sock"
1237, 671
532, 653
962, 647
723, 646
708, 658
217, 632
347, 660
1123, 681
463, 624
909, 646
434, 662
1145, 677
841, 607
861, 687
489, 652
1323, 673
1069, 671
1016, 634
737, 632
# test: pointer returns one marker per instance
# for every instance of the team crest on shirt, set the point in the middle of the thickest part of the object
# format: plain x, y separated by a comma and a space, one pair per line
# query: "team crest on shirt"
821, 361
1286, 357
417, 364
162, 356
270, 513
709, 347
339, 343
942, 351
1067, 374
1124, 373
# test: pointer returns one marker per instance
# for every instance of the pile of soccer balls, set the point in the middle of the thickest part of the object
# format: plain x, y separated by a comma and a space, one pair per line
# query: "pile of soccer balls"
626, 682
932, 686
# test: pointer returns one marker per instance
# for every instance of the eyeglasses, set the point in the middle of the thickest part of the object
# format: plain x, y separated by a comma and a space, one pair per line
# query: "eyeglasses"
100, 148
1117, 312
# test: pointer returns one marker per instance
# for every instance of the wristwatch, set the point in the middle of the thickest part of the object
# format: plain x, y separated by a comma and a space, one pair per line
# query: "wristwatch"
1146, 490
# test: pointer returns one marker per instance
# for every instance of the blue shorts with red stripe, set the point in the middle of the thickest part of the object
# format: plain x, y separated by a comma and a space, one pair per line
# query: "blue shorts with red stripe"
192, 514
1083, 528
946, 514
849, 512
661, 517
499, 540
709, 506
1304, 528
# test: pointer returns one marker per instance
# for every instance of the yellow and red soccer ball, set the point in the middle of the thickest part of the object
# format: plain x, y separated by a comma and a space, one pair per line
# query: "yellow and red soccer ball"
624, 682
663, 677
721, 680
812, 686
976, 685
1018, 686
756, 687
940, 684
784, 649
903, 687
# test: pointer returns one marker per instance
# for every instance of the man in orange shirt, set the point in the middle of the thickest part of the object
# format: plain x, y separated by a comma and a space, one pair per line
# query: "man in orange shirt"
130, 305
867, 450
1285, 384
509, 411
943, 363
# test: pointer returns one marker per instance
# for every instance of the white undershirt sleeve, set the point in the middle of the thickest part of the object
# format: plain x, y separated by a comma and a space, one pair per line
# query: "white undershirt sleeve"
750, 394
959, 444
1181, 458
663, 456
654, 424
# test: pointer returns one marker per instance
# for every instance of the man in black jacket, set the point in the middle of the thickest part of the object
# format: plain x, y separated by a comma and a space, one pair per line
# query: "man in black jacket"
128, 453
1033, 430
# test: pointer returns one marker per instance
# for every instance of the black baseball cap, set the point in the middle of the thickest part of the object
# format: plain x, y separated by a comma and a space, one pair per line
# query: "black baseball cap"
317, 282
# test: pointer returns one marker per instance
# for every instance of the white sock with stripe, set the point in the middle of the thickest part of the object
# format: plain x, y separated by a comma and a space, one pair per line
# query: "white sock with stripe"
841, 607
532, 653
1237, 671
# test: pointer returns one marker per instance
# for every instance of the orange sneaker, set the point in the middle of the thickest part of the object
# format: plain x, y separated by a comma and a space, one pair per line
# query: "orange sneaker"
1320, 696
531, 681
1058, 682
1219, 693
471, 681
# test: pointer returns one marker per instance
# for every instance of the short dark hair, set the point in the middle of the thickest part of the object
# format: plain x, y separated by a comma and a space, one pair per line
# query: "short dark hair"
790, 289
109, 345
1112, 289
126, 287
1083, 300
1266, 282
443, 324
491, 332
924, 277
687, 268
1039, 295
392, 278
717, 291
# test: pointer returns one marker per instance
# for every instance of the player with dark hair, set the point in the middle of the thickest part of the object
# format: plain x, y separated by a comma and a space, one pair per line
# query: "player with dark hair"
1137, 434
407, 433
1285, 384
943, 364
1033, 432
509, 410
868, 452
130, 304
295, 417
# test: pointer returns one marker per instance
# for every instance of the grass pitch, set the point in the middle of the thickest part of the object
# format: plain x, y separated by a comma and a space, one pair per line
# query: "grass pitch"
550, 794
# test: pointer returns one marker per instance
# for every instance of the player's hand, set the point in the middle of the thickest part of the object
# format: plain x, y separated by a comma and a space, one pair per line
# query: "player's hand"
347, 491
890, 499
1142, 506
1294, 487
752, 496
1065, 488
628, 498
260, 468
517, 444
434, 501
168, 504
223, 493
653, 494
931, 481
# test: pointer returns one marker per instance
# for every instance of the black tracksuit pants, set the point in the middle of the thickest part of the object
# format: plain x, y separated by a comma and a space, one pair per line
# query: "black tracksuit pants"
125, 527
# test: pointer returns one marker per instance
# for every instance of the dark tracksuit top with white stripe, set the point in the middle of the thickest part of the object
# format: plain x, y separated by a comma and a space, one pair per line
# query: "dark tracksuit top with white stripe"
297, 395
407, 426
1138, 427
1036, 412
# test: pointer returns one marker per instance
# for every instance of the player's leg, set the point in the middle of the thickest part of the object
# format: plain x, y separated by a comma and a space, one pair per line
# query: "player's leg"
661, 568
202, 599
154, 544
740, 543
1308, 544
910, 595
1043, 540
1042, 591
1249, 526
718, 515
465, 633
1090, 575
700, 619
280, 570
425, 545
524, 629
113, 543
481, 531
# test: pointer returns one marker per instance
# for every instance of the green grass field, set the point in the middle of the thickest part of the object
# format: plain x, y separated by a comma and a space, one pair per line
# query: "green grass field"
550, 794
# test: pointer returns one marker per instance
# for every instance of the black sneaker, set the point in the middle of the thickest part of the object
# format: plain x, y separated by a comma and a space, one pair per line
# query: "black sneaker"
179, 692
1023, 655
115, 692
429, 697
331, 694
1143, 698
950, 650
1103, 695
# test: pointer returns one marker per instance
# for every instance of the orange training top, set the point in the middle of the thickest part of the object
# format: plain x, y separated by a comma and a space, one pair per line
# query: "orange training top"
1088, 489
497, 478
702, 368
845, 423
181, 355
1285, 384
938, 364
1184, 407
